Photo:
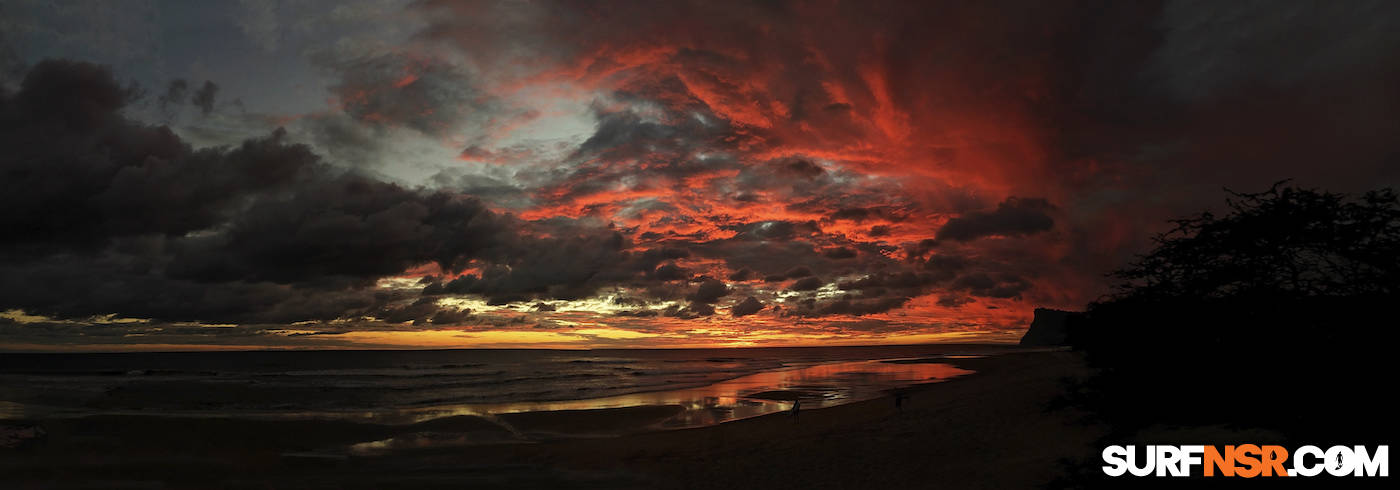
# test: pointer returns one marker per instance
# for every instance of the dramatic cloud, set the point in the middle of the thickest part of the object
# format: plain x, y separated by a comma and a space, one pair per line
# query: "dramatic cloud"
174, 95
748, 306
204, 97
1012, 217
108, 216
414, 173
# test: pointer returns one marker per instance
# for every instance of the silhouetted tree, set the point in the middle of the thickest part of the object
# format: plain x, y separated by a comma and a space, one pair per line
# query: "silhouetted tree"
1285, 243
1278, 314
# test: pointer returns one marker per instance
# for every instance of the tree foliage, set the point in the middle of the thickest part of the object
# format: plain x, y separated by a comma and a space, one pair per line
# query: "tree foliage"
1285, 242
1277, 314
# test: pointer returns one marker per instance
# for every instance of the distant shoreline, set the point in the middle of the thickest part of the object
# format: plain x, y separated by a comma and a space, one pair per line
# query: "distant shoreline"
399, 387
1008, 343
997, 410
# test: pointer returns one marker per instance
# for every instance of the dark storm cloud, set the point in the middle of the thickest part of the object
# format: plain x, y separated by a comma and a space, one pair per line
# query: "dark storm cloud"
799, 168
578, 264
710, 291
944, 266
204, 97
571, 267
491, 189
806, 284
904, 280
797, 272
114, 335
625, 134
848, 306
638, 313
129, 283
690, 311
670, 272
346, 226
831, 138
108, 216
861, 215
839, 253
412, 90
633, 147
65, 145
12, 67
765, 259
957, 279
1123, 100
748, 306
991, 285
175, 93
347, 140
423, 311
801, 185
1015, 216
953, 300
774, 230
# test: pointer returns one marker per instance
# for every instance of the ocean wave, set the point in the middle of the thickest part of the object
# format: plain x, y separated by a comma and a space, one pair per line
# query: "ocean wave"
602, 361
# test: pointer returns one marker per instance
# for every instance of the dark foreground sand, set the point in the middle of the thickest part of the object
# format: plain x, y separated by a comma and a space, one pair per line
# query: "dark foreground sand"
987, 430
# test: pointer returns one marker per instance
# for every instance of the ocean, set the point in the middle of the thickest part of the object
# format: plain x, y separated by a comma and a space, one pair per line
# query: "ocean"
711, 385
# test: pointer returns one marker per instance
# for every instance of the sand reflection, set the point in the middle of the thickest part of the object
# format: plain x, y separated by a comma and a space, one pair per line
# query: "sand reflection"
757, 394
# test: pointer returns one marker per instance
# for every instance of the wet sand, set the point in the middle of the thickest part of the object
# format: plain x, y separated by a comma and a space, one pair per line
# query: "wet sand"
986, 430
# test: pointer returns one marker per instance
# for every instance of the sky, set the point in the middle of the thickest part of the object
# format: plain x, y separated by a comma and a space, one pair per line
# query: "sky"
183, 175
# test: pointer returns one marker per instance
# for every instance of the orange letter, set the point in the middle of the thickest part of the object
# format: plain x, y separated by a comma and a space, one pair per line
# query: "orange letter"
1213, 460
1273, 461
1252, 463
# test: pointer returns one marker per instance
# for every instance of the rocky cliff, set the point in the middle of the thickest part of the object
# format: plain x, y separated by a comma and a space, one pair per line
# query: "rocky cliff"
1048, 327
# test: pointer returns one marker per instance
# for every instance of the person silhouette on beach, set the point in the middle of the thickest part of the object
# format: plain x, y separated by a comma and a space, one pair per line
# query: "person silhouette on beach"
899, 402
796, 408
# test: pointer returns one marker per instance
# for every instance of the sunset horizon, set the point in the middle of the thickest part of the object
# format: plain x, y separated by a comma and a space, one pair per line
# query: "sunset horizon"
627, 244
456, 181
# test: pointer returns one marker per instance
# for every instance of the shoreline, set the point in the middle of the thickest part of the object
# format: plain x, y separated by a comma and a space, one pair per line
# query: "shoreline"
126, 401
969, 425
1008, 344
695, 405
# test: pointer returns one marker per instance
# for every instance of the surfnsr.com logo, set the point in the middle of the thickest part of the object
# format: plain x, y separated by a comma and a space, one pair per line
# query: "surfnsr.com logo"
1246, 461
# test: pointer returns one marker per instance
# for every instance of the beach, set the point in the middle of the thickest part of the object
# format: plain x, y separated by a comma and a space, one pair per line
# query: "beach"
989, 429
